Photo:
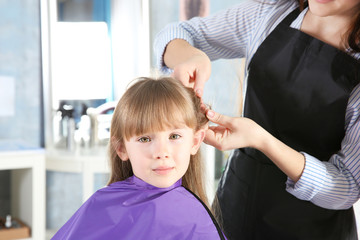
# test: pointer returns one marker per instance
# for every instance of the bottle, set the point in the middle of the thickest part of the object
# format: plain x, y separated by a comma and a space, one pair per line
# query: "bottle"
70, 124
8, 222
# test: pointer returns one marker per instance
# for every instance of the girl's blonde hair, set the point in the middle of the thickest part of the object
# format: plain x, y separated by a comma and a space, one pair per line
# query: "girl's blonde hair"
151, 105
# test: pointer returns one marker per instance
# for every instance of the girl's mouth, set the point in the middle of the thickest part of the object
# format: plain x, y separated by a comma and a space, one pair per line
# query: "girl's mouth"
163, 170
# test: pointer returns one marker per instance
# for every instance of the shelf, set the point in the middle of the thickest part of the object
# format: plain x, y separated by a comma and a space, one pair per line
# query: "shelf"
27, 187
87, 162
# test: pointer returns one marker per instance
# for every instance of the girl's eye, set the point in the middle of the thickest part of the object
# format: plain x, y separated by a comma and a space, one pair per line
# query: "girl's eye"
174, 136
144, 139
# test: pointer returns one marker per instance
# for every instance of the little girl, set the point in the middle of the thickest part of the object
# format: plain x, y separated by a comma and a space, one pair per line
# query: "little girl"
156, 132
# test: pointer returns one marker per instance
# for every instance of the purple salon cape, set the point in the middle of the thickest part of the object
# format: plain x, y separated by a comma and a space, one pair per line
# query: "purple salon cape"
133, 209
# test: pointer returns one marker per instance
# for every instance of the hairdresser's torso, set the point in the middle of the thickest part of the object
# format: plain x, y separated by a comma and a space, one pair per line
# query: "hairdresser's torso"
255, 204
295, 84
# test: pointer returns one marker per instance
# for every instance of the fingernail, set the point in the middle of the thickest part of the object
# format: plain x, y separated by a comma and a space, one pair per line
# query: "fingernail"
198, 92
210, 113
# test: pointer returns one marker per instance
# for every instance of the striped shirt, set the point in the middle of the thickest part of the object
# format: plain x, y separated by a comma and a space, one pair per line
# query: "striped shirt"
237, 33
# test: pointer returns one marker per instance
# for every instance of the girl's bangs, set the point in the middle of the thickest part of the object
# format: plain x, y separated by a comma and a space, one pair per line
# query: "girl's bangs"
158, 111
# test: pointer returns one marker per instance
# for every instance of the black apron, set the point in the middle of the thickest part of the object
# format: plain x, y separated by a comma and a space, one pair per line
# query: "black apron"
298, 89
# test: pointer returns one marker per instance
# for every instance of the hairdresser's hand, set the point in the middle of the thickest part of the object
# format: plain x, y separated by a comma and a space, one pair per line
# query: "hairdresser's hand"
231, 133
191, 66
241, 132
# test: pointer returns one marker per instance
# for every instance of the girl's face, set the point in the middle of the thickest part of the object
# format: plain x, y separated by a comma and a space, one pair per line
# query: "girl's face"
161, 158
344, 8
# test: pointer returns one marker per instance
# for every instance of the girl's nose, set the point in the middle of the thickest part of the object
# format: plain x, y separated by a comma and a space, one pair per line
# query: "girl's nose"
161, 150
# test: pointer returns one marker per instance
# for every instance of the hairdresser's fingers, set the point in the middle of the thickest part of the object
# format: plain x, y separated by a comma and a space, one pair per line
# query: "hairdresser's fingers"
223, 136
200, 80
185, 74
202, 75
220, 119
204, 107
216, 136
194, 72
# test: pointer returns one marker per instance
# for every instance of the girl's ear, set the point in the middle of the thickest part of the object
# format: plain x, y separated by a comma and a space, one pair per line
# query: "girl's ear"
198, 139
120, 150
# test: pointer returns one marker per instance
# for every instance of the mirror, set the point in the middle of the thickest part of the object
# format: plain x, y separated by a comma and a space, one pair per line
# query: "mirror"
91, 62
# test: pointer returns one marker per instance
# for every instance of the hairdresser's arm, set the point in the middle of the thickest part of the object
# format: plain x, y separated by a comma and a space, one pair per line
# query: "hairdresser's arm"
334, 184
226, 34
241, 132
326, 184
221, 35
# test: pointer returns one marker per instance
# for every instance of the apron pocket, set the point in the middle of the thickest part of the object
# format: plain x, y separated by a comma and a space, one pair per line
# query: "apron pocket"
232, 199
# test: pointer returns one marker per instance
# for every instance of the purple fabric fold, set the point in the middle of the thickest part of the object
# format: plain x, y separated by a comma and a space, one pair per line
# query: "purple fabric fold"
134, 209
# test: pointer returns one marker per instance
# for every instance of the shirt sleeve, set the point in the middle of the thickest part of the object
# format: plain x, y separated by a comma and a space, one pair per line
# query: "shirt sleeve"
225, 34
334, 184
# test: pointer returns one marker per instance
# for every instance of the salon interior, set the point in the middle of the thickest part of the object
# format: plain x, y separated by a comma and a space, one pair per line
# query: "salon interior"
63, 66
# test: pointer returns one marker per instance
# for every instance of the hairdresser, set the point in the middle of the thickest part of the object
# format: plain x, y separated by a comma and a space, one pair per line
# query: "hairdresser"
295, 170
